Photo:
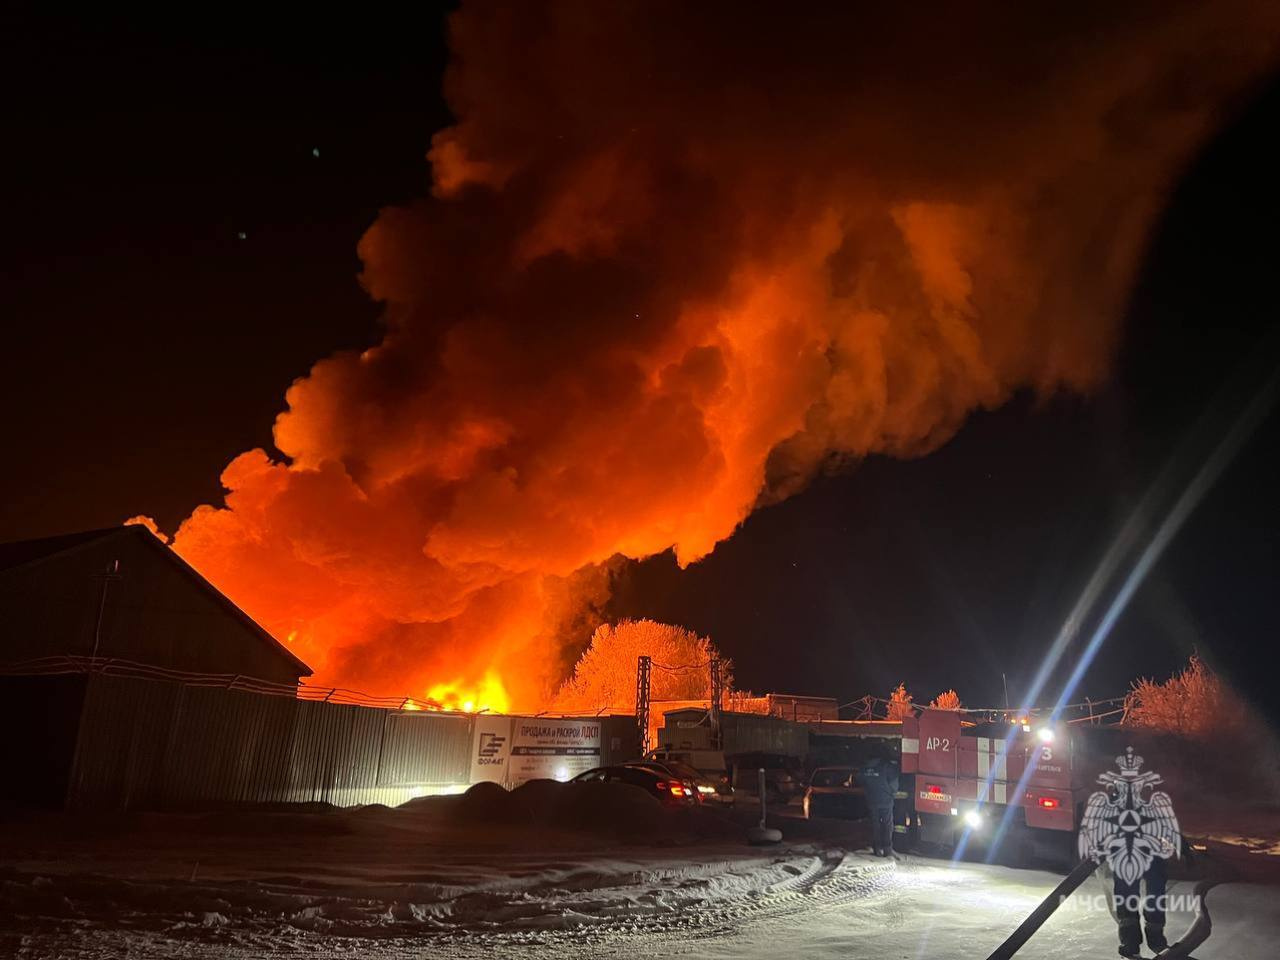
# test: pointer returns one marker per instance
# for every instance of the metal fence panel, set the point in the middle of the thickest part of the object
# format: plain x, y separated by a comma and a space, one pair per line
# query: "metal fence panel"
228, 746
119, 761
420, 748
619, 739
162, 744
158, 744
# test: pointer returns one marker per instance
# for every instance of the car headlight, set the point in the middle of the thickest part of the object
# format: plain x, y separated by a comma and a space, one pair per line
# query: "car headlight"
973, 819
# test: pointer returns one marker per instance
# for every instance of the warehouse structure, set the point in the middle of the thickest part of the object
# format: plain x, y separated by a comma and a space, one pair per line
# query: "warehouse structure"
121, 594
127, 681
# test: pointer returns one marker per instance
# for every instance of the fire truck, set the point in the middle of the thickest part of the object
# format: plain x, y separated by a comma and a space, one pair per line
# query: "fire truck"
960, 778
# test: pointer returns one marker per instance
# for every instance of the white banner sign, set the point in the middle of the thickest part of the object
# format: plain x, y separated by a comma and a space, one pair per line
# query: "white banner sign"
547, 749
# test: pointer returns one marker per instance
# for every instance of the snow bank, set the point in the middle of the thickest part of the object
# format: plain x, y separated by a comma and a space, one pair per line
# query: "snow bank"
553, 869
618, 810
518, 867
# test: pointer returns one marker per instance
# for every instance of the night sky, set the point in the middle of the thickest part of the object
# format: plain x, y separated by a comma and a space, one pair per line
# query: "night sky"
183, 208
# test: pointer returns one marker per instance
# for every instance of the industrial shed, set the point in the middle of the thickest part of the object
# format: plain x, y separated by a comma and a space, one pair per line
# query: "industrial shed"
128, 682
122, 594
73, 606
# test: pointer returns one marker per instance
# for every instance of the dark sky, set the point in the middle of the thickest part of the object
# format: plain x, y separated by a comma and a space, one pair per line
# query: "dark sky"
147, 343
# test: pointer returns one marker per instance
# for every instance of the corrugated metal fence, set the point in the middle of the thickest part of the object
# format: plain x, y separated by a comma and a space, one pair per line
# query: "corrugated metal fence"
162, 745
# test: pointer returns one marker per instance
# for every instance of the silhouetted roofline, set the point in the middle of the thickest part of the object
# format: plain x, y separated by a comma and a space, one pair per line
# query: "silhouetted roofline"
25, 553
20, 553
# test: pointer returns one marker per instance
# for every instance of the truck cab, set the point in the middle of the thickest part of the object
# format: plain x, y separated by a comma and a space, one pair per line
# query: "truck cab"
982, 783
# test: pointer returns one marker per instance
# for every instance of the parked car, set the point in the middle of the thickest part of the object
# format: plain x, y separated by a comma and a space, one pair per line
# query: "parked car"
834, 792
670, 791
783, 777
686, 775
712, 786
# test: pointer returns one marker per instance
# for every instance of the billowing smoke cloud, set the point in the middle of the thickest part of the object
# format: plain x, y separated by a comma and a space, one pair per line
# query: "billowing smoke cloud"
678, 258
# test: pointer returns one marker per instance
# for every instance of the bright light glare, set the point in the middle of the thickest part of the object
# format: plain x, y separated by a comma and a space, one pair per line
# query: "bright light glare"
1026, 728
562, 774
972, 819
1200, 483
447, 790
1045, 734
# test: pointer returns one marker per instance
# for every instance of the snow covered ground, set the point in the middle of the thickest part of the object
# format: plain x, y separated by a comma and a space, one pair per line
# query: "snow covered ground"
420, 882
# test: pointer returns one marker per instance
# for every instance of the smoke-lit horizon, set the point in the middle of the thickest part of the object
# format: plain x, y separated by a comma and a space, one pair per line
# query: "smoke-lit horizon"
675, 262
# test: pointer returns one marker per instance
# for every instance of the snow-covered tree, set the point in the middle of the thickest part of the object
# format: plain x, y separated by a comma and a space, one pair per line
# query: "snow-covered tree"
947, 700
1194, 702
605, 675
900, 707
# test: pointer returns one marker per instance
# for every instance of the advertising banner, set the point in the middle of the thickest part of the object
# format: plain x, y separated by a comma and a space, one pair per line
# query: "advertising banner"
547, 749
491, 749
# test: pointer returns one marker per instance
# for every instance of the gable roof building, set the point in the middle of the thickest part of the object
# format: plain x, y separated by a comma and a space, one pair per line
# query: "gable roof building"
121, 593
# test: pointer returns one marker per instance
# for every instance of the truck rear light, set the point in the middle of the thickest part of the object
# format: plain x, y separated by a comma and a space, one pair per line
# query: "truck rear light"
1049, 803
933, 788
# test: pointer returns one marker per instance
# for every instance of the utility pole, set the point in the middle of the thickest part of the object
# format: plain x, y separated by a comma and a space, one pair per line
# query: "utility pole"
643, 666
717, 698
112, 573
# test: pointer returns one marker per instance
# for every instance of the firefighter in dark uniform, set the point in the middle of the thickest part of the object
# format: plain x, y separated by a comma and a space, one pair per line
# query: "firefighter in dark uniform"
1129, 896
878, 778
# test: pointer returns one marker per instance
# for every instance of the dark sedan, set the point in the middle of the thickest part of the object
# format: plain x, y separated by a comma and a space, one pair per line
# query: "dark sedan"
671, 791
706, 788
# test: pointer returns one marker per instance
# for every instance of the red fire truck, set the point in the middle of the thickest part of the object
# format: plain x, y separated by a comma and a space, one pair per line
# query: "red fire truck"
960, 776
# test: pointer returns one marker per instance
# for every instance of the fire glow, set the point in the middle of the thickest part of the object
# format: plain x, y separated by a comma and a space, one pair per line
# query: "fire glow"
489, 696
633, 311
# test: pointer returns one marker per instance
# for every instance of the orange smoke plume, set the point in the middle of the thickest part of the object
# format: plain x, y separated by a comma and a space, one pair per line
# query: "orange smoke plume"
678, 258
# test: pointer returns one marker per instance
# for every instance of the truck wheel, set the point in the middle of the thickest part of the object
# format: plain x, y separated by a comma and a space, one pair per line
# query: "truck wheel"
1055, 849
1016, 848
937, 837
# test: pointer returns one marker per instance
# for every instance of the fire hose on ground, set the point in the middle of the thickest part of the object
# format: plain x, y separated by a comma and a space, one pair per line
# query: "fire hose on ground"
1196, 934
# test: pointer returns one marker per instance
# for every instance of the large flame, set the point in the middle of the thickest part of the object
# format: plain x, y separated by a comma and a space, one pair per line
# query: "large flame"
488, 696
679, 257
